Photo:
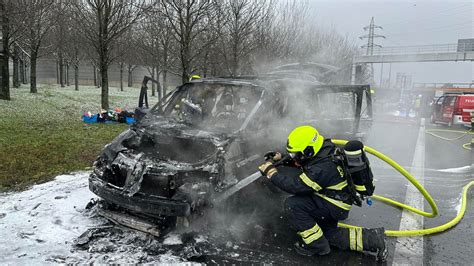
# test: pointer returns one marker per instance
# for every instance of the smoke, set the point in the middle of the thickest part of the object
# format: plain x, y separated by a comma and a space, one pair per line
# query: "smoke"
255, 214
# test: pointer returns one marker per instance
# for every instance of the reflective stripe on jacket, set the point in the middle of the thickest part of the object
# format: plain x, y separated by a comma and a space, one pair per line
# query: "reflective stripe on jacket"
321, 177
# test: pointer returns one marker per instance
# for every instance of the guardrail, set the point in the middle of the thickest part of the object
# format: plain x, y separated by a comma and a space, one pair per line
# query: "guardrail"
443, 85
422, 49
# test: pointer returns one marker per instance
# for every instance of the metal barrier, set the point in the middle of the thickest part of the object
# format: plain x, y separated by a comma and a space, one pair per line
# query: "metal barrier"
422, 49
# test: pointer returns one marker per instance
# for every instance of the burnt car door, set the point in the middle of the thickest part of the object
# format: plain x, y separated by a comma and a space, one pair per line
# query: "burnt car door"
245, 152
338, 111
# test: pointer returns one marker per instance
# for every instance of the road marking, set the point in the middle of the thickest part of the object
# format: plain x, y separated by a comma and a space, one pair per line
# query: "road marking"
409, 250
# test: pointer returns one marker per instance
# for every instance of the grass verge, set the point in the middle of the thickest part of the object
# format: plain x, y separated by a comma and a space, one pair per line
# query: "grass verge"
42, 135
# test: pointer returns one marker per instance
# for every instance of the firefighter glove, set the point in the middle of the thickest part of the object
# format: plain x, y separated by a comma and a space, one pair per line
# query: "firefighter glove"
273, 155
268, 169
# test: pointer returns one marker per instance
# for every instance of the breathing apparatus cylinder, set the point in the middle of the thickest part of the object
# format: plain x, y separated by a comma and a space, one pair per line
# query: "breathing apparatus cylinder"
359, 168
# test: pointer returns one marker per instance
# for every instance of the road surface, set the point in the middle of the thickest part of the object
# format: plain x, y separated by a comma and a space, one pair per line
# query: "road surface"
49, 223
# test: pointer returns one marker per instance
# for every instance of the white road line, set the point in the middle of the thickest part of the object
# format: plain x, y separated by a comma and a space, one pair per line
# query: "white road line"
409, 250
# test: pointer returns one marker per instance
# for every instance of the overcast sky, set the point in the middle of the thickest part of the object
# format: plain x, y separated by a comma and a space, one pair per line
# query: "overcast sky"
405, 23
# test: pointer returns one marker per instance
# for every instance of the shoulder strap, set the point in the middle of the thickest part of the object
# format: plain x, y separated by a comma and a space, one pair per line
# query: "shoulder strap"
347, 175
325, 156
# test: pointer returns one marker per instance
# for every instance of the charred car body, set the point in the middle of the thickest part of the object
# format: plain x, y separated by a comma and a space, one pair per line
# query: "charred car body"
208, 134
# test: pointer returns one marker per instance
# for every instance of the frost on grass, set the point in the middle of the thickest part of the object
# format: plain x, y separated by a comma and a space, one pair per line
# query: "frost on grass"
67, 103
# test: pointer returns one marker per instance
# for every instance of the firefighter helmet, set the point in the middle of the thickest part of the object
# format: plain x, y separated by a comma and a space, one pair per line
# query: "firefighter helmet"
193, 77
305, 141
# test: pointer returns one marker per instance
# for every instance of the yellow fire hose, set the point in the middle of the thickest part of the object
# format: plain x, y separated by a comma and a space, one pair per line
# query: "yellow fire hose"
466, 146
411, 178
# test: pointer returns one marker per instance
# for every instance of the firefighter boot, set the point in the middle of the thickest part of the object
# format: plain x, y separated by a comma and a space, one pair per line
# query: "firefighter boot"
312, 242
319, 247
374, 242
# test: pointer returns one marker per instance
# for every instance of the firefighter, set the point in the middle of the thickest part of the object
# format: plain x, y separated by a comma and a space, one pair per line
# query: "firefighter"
321, 198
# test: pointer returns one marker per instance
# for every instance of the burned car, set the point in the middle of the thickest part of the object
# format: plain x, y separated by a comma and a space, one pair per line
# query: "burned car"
208, 134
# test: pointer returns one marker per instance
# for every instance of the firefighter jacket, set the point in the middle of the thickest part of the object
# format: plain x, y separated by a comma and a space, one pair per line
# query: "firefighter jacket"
323, 178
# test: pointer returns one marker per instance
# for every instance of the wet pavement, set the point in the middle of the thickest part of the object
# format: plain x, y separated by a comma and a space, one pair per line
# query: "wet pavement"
397, 139
454, 246
59, 229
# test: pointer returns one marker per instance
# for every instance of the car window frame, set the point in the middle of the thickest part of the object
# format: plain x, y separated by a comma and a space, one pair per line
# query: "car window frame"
176, 93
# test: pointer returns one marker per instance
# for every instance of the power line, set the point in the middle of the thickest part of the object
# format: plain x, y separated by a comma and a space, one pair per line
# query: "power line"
370, 42
371, 36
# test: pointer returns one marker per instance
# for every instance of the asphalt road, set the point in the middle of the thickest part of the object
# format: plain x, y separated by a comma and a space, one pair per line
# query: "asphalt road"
52, 225
456, 245
397, 139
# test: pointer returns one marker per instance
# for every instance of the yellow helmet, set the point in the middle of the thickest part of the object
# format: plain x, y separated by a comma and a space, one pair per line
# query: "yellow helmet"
193, 77
305, 140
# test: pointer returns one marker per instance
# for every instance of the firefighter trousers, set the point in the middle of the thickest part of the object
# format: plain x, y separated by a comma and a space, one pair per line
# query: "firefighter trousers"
316, 223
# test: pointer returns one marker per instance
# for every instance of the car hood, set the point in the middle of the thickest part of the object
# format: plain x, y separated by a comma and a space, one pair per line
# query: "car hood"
162, 127
161, 147
163, 139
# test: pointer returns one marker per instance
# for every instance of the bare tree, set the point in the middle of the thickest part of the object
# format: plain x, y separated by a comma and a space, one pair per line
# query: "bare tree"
36, 24
10, 34
183, 37
156, 41
333, 49
102, 23
149, 32
123, 52
279, 32
59, 38
237, 41
167, 59
128, 56
75, 58
75, 45
5, 75
188, 19
121, 65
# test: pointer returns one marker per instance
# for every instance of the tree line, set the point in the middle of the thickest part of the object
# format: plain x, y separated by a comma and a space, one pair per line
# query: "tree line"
179, 37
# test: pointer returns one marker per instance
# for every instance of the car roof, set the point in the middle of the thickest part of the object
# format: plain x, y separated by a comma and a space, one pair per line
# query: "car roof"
223, 81
265, 80
458, 94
